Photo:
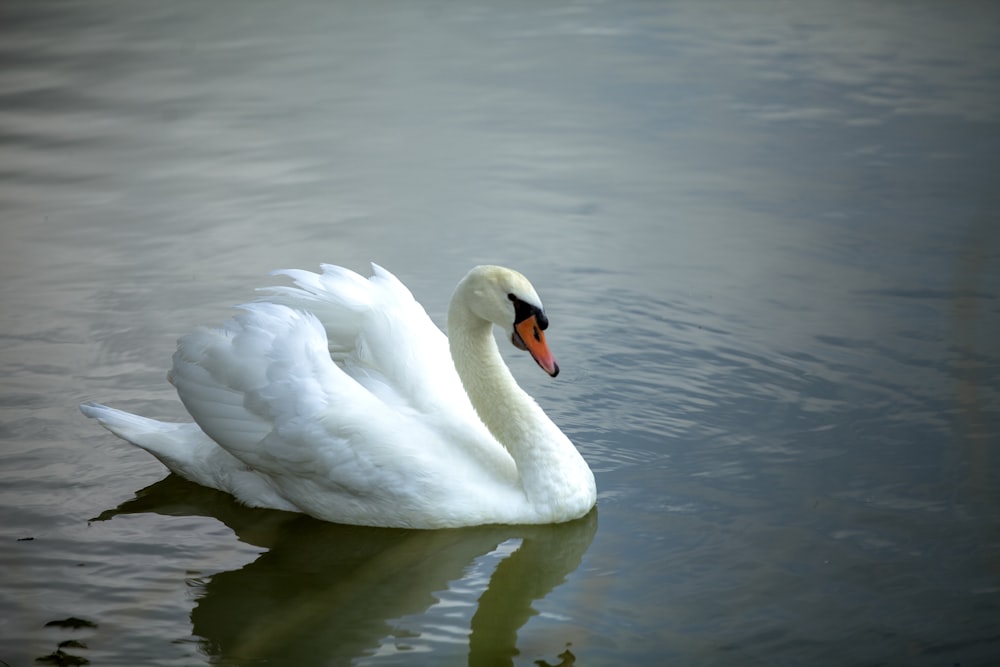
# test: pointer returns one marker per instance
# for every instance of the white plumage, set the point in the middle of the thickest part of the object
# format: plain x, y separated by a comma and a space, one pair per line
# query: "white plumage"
339, 397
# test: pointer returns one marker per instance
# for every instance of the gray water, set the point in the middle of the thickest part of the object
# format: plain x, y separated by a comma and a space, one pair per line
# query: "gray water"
767, 241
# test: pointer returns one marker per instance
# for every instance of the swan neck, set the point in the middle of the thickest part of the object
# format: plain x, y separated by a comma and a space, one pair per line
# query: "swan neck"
554, 477
505, 409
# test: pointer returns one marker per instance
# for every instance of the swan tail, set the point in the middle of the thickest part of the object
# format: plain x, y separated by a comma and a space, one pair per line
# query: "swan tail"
187, 451
131, 427
179, 446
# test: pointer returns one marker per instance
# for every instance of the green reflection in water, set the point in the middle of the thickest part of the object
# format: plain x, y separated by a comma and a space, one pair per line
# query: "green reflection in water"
324, 593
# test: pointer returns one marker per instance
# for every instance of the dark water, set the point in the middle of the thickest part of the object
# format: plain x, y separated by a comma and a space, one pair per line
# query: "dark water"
766, 238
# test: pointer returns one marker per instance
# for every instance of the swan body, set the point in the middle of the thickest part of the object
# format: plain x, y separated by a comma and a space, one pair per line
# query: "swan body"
339, 397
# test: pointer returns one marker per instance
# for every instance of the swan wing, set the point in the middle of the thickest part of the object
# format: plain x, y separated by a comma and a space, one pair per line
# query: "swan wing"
263, 387
266, 389
382, 337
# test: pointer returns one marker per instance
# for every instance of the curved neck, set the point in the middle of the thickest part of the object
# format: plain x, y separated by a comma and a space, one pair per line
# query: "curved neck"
550, 468
510, 414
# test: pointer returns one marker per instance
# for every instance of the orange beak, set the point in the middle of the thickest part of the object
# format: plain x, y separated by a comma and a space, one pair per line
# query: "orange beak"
528, 336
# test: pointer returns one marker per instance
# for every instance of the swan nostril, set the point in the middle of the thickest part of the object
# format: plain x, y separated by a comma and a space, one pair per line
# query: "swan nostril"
543, 322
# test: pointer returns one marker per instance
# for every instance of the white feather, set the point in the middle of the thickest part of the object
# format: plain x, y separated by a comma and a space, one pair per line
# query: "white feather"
338, 397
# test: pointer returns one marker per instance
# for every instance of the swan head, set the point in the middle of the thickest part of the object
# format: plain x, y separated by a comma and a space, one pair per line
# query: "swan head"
506, 298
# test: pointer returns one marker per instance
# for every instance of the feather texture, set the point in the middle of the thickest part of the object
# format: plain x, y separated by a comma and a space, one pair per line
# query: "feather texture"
337, 396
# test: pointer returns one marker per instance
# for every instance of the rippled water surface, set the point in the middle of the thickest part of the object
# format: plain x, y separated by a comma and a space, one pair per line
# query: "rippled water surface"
767, 242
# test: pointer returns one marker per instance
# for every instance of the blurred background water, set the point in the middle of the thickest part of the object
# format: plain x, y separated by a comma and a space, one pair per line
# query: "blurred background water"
766, 237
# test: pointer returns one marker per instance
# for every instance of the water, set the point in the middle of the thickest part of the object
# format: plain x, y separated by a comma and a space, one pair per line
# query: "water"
767, 243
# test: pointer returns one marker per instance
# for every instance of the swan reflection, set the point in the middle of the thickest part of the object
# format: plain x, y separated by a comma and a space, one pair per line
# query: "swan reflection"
326, 594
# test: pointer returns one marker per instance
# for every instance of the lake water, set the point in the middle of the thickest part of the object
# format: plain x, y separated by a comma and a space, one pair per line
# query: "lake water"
767, 241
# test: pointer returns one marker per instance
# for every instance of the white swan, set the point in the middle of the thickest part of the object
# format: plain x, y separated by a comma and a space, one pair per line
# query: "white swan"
338, 398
